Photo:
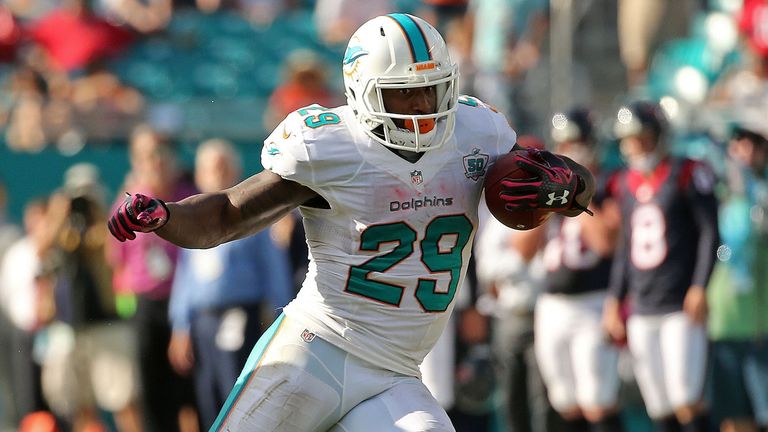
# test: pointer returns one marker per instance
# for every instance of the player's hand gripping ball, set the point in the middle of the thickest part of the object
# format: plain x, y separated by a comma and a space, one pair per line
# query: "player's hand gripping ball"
524, 187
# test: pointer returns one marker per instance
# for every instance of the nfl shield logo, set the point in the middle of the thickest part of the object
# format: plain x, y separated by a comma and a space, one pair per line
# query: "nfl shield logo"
308, 336
475, 164
416, 178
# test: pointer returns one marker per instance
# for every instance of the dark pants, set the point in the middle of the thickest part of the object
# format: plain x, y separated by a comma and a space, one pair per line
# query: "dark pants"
739, 380
527, 407
164, 392
217, 365
26, 375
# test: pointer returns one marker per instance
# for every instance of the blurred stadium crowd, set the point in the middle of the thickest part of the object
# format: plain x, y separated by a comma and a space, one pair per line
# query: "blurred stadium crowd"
174, 96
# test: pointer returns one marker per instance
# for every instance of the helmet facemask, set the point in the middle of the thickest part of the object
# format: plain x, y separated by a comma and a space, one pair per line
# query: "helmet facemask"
433, 129
378, 58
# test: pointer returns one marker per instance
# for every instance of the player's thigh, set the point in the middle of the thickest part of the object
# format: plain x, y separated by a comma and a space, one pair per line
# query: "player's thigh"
644, 344
595, 362
552, 345
684, 348
407, 406
295, 382
438, 367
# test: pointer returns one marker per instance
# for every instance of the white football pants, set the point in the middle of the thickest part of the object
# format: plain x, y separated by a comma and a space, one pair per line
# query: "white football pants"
297, 382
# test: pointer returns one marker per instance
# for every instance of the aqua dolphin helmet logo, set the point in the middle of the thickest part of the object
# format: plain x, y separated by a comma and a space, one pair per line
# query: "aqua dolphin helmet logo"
351, 61
353, 53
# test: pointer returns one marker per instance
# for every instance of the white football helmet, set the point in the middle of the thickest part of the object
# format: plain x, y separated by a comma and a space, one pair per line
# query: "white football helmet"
401, 51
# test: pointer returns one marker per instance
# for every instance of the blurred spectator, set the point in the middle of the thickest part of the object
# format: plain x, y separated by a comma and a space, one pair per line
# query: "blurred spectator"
103, 107
507, 38
27, 10
459, 41
209, 7
45, 106
577, 361
142, 16
749, 82
442, 13
738, 291
305, 83
39, 105
10, 35
224, 297
510, 270
26, 298
27, 131
744, 86
336, 20
263, 12
144, 268
9, 232
662, 265
753, 23
643, 24
89, 365
73, 37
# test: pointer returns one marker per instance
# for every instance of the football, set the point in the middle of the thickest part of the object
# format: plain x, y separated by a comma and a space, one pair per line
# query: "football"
507, 167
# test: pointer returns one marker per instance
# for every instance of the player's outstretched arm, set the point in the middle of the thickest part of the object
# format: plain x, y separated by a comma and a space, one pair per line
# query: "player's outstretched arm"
207, 220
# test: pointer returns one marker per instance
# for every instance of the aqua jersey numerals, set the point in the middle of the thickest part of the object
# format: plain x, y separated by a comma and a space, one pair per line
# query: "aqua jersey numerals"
371, 240
475, 102
438, 261
324, 118
436, 257
468, 101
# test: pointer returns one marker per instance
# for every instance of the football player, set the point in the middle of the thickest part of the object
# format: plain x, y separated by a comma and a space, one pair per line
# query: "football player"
670, 236
576, 359
388, 187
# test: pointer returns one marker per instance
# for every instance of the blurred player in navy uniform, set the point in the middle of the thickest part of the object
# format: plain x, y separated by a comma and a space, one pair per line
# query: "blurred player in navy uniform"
663, 264
388, 187
576, 359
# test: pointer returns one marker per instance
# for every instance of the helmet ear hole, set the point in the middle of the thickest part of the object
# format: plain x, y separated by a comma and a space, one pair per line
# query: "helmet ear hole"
381, 31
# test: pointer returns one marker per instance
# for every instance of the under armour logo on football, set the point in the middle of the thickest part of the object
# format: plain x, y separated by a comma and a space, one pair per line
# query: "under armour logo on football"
563, 199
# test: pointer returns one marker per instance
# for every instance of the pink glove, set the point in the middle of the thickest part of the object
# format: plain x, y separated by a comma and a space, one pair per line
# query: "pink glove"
137, 213
551, 185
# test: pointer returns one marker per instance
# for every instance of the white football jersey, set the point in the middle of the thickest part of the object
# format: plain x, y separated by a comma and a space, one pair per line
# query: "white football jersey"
388, 256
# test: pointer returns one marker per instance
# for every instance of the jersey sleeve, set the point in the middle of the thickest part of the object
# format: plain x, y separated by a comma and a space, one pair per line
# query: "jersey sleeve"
507, 137
487, 125
285, 152
604, 188
312, 147
698, 181
618, 285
